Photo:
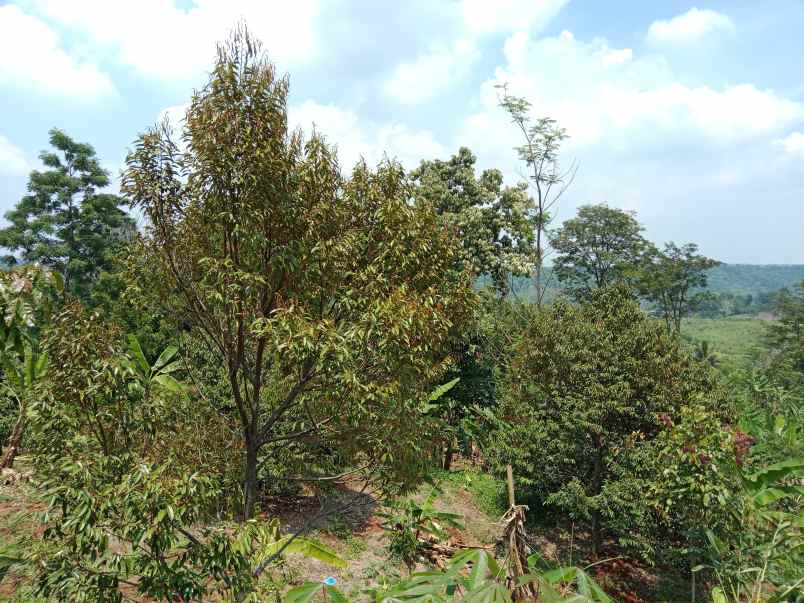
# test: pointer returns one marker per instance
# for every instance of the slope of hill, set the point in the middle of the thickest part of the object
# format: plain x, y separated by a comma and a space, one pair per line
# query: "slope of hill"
735, 279
754, 278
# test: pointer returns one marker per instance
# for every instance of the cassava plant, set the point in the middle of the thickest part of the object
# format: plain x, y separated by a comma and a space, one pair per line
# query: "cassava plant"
471, 575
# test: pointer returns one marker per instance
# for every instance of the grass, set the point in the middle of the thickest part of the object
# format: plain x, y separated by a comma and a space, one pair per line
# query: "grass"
735, 341
18, 525
488, 492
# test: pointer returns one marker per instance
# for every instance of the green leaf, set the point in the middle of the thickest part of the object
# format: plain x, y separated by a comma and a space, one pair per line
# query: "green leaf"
479, 572
769, 496
303, 546
41, 364
12, 374
58, 280
316, 550
718, 596
561, 574
442, 389
304, 593
778, 471
335, 595
490, 592
29, 368
139, 357
19, 348
165, 357
169, 383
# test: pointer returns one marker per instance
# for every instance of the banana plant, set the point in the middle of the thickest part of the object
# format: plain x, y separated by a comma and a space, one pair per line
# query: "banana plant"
26, 304
20, 381
769, 550
160, 372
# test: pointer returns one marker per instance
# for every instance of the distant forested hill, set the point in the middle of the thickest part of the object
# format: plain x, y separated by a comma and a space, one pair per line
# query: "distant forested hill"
729, 279
754, 278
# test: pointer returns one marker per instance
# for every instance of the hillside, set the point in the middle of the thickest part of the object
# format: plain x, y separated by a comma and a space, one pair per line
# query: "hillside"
754, 278
735, 279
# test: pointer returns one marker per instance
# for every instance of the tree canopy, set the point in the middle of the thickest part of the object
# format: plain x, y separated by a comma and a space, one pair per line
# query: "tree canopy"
64, 222
599, 247
331, 301
493, 222
675, 280
587, 386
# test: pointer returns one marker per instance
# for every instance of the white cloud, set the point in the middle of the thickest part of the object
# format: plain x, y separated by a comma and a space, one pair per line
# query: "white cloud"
792, 143
423, 78
356, 138
446, 64
688, 27
483, 17
12, 159
603, 95
159, 38
31, 57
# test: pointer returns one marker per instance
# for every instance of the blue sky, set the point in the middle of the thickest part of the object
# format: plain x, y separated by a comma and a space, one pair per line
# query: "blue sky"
690, 114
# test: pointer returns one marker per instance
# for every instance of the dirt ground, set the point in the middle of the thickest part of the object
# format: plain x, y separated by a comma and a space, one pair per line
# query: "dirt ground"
348, 521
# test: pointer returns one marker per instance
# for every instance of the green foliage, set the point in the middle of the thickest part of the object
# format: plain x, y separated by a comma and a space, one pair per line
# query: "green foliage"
600, 247
281, 325
26, 303
64, 222
325, 298
472, 575
673, 280
770, 412
719, 305
735, 342
786, 335
695, 458
494, 222
9, 410
126, 507
407, 521
761, 559
744, 525
586, 391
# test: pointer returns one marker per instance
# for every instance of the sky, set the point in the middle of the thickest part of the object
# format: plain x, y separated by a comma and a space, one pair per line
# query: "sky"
691, 115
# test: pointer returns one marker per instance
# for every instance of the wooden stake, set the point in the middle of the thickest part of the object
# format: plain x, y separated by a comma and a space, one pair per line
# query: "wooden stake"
510, 474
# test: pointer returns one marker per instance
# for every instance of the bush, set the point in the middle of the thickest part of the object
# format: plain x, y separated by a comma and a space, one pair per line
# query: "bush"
587, 389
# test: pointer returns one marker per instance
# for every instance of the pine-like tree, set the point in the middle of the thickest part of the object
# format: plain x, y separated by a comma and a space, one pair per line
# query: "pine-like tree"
64, 222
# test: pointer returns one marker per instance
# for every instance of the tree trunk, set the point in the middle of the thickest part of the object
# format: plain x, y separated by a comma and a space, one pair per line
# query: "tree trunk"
14, 440
448, 453
250, 482
597, 485
509, 480
538, 279
597, 538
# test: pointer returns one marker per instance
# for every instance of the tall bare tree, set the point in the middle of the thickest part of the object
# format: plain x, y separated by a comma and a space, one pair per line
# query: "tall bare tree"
542, 142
